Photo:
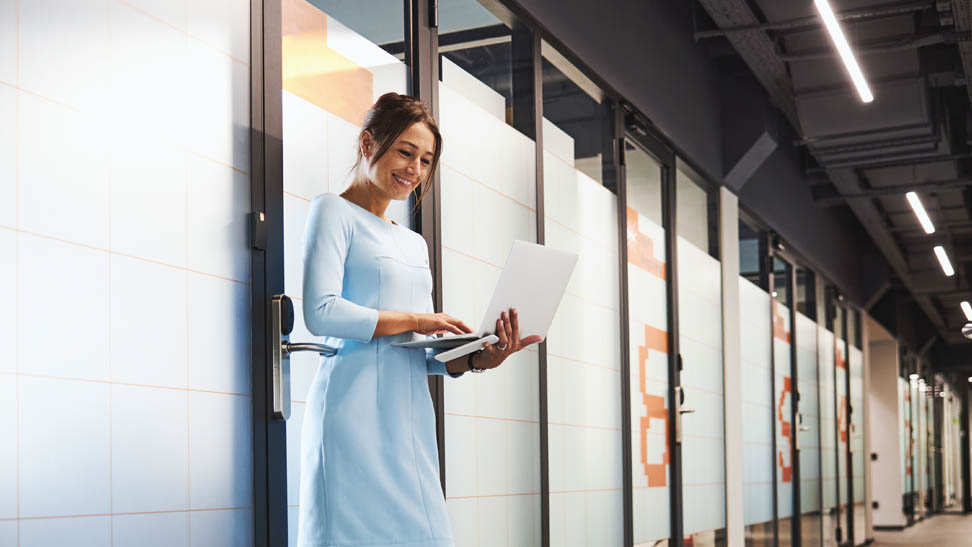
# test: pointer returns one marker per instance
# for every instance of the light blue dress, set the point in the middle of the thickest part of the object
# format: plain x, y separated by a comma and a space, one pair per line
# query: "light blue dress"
369, 463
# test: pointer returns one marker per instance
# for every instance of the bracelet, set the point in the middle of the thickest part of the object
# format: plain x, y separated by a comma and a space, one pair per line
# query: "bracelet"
469, 362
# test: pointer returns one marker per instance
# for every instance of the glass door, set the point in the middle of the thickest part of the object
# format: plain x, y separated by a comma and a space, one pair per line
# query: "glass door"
784, 403
807, 421
652, 346
336, 59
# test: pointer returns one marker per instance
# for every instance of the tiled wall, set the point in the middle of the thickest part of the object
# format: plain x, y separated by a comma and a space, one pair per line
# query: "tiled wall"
124, 272
583, 355
492, 429
828, 425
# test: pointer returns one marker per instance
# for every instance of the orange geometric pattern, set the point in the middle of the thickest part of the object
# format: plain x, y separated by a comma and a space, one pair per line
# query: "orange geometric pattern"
641, 248
316, 73
656, 340
839, 359
779, 328
786, 470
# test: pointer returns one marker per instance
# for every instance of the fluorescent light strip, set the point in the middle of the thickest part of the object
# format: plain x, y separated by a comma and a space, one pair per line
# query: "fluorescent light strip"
919, 209
967, 310
843, 48
943, 260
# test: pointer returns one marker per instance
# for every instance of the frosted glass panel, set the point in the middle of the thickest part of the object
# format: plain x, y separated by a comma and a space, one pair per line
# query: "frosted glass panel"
583, 356
648, 351
757, 410
488, 184
828, 430
782, 410
808, 429
331, 77
703, 432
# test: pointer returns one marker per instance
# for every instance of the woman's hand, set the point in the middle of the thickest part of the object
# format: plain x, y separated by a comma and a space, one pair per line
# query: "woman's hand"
508, 331
439, 323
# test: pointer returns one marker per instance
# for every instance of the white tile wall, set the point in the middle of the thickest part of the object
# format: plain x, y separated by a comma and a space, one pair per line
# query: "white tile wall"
222, 528
8, 301
305, 157
8, 41
63, 167
86, 531
64, 421
219, 106
149, 200
151, 530
148, 328
8, 450
219, 350
123, 267
64, 51
219, 432
219, 199
63, 318
149, 449
8, 154
154, 94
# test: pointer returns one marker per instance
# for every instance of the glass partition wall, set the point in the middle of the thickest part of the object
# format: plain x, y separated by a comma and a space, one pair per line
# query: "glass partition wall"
612, 432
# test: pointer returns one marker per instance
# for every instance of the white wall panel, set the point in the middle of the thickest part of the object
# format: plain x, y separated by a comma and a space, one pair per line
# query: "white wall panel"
219, 198
856, 433
219, 432
8, 301
226, 528
8, 450
828, 423
9, 36
808, 386
8, 150
87, 531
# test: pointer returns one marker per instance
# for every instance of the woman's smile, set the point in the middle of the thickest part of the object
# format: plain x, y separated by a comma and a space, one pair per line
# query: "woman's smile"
406, 182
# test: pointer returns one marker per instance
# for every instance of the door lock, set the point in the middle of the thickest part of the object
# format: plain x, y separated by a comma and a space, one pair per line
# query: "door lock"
281, 325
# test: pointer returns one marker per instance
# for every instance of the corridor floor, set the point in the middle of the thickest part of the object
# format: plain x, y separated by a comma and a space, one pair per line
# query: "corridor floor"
939, 530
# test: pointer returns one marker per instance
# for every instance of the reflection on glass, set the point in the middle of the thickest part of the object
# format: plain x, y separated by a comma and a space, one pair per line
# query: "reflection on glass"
700, 343
750, 263
806, 292
842, 400
856, 368
697, 212
648, 322
335, 63
491, 421
583, 347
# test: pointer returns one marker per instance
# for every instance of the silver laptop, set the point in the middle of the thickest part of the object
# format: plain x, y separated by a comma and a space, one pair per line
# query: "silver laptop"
533, 281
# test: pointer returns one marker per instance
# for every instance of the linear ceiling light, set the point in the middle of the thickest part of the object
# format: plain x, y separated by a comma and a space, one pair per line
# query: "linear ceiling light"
967, 310
943, 260
919, 209
837, 35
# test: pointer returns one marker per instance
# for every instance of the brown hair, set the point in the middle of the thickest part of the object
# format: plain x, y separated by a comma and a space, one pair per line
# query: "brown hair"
390, 116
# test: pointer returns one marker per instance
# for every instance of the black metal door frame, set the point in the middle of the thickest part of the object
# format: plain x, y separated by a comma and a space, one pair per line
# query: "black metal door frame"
638, 132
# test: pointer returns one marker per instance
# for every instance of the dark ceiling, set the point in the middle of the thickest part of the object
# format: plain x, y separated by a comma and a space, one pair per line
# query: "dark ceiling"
914, 136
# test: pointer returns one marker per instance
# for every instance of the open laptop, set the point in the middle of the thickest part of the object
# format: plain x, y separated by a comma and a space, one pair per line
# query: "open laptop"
533, 281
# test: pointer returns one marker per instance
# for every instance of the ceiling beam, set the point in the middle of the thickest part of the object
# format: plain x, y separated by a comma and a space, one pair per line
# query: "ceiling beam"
848, 183
896, 189
800, 23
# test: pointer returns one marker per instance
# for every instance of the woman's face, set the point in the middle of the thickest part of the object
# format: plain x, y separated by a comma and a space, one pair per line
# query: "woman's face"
405, 165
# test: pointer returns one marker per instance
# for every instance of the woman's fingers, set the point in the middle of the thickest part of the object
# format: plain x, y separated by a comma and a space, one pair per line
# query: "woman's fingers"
501, 333
515, 329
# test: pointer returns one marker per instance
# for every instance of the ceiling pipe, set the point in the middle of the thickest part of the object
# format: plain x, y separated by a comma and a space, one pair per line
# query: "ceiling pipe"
813, 21
924, 187
877, 162
901, 43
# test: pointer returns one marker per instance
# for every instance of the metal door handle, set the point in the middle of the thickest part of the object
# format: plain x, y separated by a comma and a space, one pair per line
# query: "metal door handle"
281, 325
686, 410
679, 399
321, 349
804, 428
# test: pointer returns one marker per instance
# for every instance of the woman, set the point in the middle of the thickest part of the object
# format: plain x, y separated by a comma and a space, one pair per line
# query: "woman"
369, 463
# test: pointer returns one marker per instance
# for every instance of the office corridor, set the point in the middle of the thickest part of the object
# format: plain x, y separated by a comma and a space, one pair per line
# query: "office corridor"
940, 530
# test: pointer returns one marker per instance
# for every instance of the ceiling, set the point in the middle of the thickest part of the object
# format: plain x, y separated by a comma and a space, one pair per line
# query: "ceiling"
917, 57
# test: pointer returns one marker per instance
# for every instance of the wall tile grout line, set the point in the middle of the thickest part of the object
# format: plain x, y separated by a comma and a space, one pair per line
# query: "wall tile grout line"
185, 32
488, 187
113, 383
608, 246
125, 255
128, 513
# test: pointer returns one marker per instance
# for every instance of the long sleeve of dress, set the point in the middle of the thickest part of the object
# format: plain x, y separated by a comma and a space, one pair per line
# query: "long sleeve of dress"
326, 312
